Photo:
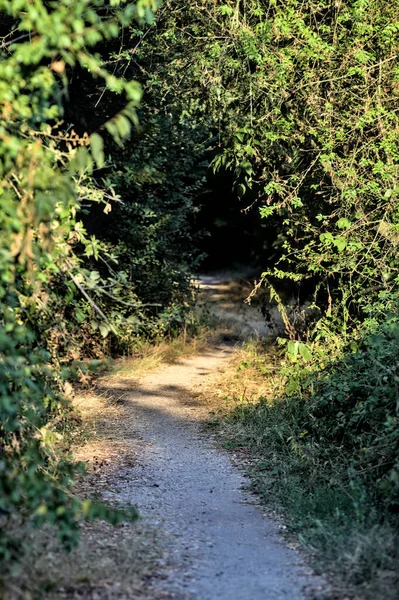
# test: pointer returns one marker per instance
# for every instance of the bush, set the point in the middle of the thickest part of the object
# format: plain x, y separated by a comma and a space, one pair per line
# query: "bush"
343, 419
46, 174
327, 451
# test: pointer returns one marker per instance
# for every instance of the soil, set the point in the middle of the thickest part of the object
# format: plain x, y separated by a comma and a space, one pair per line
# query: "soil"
215, 541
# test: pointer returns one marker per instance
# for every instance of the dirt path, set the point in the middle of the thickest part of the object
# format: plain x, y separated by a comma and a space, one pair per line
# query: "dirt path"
220, 544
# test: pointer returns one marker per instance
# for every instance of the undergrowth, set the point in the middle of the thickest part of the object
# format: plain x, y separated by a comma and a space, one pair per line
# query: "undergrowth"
325, 444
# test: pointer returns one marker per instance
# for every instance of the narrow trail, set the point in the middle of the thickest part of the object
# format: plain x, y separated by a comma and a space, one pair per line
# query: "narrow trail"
221, 546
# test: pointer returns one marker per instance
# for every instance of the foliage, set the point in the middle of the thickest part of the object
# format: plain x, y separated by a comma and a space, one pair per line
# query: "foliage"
349, 410
46, 177
302, 98
144, 236
150, 230
296, 103
327, 453
158, 213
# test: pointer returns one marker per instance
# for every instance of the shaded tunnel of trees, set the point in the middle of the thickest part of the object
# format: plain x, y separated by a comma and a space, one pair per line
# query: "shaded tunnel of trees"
142, 143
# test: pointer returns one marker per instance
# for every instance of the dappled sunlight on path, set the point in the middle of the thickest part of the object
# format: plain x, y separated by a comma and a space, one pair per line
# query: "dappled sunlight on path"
226, 298
219, 543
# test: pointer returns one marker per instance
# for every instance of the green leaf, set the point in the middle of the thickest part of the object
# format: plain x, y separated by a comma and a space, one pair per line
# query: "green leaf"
79, 315
97, 149
94, 324
340, 243
249, 150
241, 189
343, 223
293, 348
305, 352
82, 160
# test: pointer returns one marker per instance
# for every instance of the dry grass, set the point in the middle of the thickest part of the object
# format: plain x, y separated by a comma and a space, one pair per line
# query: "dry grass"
251, 374
151, 357
110, 563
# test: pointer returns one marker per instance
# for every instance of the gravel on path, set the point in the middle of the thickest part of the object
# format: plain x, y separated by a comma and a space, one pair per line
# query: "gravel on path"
221, 544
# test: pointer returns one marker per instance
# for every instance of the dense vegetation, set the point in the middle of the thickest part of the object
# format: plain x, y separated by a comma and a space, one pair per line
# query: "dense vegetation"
325, 446
110, 120
68, 294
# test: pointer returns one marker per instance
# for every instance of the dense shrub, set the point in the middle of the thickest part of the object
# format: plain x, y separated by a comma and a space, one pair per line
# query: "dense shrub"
352, 413
326, 450
46, 287
341, 421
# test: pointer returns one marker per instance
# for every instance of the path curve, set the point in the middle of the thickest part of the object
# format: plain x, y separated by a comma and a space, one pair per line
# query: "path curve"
221, 545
